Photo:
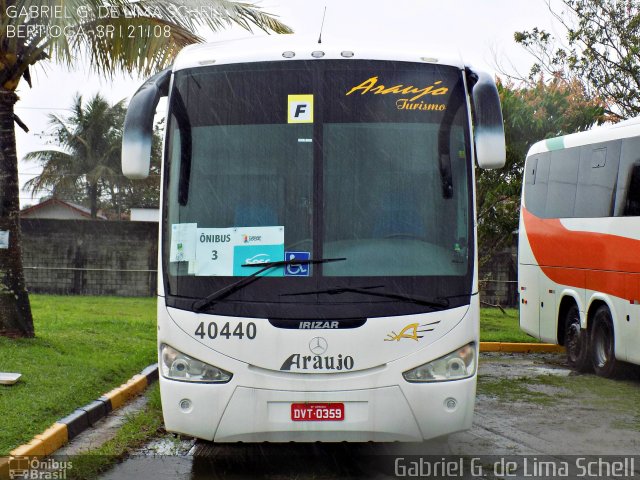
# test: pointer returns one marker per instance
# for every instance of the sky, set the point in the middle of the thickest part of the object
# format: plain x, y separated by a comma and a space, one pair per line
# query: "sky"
480, 31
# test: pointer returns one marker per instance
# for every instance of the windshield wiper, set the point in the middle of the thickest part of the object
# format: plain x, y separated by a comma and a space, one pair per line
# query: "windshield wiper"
199, 305
438, 303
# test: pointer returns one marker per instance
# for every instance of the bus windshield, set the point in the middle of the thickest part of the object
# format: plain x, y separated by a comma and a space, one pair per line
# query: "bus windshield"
364, 161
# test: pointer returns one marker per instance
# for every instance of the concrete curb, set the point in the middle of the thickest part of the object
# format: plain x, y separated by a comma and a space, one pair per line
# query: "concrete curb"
69, 427
520, 347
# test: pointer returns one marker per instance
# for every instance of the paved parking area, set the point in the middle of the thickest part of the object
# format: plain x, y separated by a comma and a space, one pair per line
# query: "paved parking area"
527, 405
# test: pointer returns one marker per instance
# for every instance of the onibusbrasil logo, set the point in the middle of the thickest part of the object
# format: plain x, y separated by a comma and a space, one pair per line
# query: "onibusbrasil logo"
38, 468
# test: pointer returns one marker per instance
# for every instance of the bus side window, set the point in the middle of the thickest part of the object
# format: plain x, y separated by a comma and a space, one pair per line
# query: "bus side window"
537, 183
632, 204
532, 167
563, 183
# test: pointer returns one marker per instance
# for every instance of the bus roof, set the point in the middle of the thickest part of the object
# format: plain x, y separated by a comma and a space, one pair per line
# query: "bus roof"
605, 133
272, 47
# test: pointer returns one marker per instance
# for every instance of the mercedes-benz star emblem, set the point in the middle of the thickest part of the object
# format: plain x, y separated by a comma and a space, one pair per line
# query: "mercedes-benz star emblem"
318, 345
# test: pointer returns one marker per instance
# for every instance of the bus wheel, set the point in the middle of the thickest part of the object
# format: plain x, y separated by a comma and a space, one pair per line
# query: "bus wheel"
603, 344
576, 341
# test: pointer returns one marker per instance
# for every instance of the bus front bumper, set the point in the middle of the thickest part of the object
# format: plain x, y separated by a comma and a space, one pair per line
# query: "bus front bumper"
408, 412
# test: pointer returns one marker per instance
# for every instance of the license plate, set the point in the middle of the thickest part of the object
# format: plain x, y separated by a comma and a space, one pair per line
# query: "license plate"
317, 412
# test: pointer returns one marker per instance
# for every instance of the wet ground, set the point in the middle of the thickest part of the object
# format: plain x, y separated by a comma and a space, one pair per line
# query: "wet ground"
526, 405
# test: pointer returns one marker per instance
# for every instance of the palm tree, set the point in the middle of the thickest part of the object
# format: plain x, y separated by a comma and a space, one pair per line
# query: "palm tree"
91, 138
132, 36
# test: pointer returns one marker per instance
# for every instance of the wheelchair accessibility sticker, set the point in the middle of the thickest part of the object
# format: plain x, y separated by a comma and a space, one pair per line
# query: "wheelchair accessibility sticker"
297, 270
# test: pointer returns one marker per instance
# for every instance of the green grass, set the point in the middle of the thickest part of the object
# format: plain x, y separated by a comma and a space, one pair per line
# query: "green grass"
496, 326
84, 347
513, 389
621, 396
138, 429
600, 392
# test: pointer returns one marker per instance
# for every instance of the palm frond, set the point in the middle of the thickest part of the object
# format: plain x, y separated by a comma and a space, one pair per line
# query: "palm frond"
91, 137
263, 20
143, 45
141, 36
48, 156
58, 169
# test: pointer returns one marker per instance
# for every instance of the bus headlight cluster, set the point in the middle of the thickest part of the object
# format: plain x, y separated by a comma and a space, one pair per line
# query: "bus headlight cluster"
454, 366
176, 365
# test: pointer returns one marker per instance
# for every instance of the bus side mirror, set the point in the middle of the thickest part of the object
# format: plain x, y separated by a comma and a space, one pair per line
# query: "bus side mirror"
488, 125
138, 125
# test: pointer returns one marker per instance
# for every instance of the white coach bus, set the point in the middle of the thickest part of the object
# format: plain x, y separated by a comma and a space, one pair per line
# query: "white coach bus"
318, 267
579, 246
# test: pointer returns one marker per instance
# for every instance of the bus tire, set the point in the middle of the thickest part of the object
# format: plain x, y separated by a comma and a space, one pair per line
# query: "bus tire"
576, 341
603, 344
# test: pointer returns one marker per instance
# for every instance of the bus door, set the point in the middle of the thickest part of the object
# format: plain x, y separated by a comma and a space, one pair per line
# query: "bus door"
629, 179
529, 299
548, 308
528, 269
629, 321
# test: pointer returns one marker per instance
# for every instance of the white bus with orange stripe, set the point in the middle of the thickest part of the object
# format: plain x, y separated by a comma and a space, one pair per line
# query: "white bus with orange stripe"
579, 246
318, 267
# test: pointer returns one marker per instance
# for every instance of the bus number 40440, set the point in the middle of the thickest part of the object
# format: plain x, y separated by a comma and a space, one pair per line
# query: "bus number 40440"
213, 331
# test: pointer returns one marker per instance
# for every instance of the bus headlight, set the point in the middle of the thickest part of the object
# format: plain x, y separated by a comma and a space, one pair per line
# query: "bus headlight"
176, 365
454, 366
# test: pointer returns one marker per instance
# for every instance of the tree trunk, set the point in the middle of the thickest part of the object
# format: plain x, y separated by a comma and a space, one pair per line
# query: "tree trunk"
93, 199
15, 310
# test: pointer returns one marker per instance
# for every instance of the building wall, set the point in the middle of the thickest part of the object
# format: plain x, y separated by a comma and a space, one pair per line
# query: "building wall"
498, 279
91, 257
